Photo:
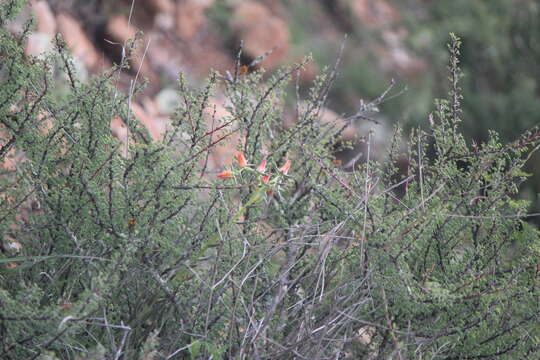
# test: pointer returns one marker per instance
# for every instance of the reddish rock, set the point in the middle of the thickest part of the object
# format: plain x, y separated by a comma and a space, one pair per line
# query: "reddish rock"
45, 21
309, 72
215, 116
204, 54
163, 6
382, 16
375, 13
395, 56
40, 41
37, 44
147, 115
164, 56
151, 107
119, 129
120, 31
18, 24
261, 31
150, 7
164, 21
190, 17
405, 61
167, 101
155, 125
79, 43
149, 12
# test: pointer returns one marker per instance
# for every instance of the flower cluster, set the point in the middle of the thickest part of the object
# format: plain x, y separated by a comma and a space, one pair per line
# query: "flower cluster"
264, 177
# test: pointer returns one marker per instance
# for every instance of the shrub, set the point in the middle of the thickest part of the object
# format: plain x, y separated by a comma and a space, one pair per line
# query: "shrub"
137, 250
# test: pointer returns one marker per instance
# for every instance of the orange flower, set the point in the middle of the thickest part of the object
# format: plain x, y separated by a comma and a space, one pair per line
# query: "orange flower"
285, 168
225, 174
265, 179
241, 159
262, 167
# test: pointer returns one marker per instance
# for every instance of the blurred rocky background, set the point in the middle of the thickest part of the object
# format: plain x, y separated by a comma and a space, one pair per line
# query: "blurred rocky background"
403, 40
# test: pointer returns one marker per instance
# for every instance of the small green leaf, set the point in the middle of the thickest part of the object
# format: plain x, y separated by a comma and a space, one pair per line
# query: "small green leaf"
195, 348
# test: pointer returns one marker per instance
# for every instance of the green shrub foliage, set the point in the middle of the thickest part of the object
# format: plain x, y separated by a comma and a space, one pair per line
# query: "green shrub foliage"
143, 253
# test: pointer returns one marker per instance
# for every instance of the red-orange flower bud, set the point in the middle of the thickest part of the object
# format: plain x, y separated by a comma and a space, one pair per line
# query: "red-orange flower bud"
265, 179
241, 159
225, 174
285, 168
262, 167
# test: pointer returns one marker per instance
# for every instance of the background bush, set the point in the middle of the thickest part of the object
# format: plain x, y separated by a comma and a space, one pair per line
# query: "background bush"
126, 251
499, 53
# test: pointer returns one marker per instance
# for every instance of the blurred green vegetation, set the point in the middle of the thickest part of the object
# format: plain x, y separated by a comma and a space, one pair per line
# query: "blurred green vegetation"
500, 57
